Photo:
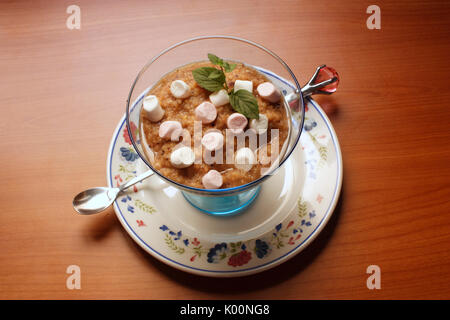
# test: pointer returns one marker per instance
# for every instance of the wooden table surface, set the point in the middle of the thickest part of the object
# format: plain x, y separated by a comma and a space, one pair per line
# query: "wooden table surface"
63, 91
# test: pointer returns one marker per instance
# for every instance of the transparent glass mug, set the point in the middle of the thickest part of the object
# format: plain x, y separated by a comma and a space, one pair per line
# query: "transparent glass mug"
228, 200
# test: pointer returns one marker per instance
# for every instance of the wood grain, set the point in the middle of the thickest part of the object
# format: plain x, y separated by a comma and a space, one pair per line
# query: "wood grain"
62, 92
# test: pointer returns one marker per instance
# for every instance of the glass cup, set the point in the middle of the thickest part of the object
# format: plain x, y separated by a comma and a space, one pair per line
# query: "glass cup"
229, 200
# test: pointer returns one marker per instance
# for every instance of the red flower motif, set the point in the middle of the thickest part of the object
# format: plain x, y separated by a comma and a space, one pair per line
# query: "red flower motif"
239, 259
126, 136
195, 242
292, 240
118, 180
193, 257
319, 198
135, 189
290, 224
140, 223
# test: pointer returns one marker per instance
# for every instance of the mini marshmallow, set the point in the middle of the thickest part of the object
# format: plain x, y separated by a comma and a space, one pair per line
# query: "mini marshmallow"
182, 157
244, 85
212, 180
244, 159
260, 125
212, 141
180, 89
219, 98
152, 109
170, 130
206, 112
269, 92
237, 122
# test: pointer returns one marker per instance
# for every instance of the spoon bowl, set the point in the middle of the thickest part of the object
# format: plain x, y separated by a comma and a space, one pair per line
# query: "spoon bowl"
94, 200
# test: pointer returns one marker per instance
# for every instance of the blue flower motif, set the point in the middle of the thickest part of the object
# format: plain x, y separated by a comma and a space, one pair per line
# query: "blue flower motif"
261, 248
312, 214
178, 235
278, 227
217, 253
128, 154
186, 242
309, 124
125, 199
164, 227
130, 208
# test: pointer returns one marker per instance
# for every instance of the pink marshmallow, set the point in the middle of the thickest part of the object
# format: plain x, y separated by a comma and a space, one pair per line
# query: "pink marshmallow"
269, 92
212, 141
212, 180
237, 122
170, 130
206, 112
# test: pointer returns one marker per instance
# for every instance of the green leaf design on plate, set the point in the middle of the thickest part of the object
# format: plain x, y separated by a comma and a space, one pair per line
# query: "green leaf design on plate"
144, 207
171, 244
302, 208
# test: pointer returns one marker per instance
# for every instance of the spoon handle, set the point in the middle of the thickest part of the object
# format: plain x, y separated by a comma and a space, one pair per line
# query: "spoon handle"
137, 179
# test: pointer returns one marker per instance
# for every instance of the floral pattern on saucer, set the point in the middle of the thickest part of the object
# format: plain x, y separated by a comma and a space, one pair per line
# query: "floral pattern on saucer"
192, 252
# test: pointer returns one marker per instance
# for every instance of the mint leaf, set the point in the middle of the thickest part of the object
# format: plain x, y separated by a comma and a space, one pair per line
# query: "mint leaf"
215, 74
229, 66
209, 78
245, 102
215, 59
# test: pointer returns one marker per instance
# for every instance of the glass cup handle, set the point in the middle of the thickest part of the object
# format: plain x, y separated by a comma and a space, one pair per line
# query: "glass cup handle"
325, 80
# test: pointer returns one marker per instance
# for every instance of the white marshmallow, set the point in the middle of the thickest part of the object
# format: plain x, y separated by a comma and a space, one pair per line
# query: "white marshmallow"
180, 89
170, 130
212, 180
206, 112
152, 109
219, 98
237, 122
212, 141
182, 157
244, 159
260, 125
269, 92
244, 85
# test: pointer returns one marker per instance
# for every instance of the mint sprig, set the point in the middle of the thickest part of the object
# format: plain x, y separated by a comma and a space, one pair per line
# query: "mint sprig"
213, 79
209, 78
228, 67
245, 102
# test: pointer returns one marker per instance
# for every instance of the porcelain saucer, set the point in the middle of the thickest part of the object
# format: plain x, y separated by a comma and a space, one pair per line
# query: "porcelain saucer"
291, 210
